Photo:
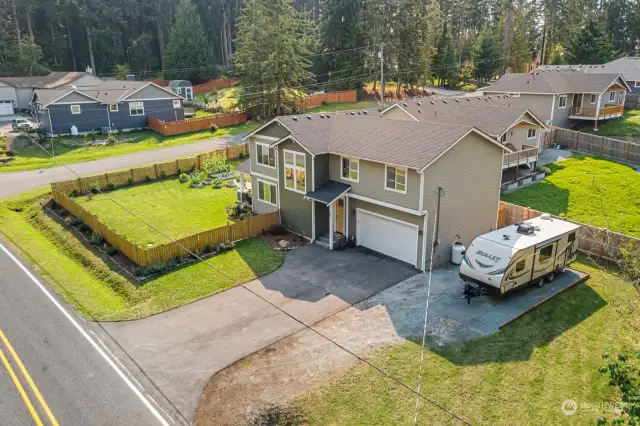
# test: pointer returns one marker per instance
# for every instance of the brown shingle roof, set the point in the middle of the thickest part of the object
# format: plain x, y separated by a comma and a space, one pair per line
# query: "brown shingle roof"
404, 143
628, 67
50, 81
47, 95
552, 81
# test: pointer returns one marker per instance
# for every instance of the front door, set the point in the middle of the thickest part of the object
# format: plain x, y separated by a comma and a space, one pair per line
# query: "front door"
340, 216
577, 100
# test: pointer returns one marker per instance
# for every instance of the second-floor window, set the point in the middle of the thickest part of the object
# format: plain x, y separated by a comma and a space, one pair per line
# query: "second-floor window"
113, 107
350, 168
294, 171
593, 99
75, 109
612, 96
531, 133
265, 156
396, 179
562, 101
177, 104
136, 108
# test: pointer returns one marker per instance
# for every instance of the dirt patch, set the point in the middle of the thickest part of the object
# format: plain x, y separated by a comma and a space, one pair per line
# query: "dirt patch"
288, 240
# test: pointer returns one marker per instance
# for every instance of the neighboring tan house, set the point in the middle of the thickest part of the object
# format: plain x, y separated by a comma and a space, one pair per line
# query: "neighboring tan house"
561, 97
122, 105
18, 91
182, 88
377, 182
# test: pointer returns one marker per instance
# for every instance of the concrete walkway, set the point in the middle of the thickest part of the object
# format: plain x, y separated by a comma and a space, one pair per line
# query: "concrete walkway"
15, 183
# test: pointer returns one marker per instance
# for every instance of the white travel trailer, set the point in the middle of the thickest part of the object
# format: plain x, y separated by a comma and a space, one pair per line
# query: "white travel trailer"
523, 253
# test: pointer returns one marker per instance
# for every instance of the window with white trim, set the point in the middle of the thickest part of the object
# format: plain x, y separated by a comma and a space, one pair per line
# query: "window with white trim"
612, 96
350, 169
113, 107
294, 171
396, 179
531, 133
265, 155
136, 108
562, 101
177, 104
179, 90
636, 84
267, 193
593, 99
75, 109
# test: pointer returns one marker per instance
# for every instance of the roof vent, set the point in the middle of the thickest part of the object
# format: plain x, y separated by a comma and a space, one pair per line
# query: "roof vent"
328, 116
359, 113
353, 113
419, 111
479, 98
432, 103
444, 102
405, 104
321, 115
419, 103
308, 117
458, 100
525, 229
365, 112
295, 118
468, 99
506, 237
489, 97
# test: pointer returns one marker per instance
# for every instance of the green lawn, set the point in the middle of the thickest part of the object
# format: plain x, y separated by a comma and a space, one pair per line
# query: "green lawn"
518, 376
31, 157
343, 106
590, 190
178, 208
227, 97
628, 125
201, 113
90, 284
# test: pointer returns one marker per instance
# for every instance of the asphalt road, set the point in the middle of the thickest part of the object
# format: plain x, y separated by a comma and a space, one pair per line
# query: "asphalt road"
17, 182
72, 377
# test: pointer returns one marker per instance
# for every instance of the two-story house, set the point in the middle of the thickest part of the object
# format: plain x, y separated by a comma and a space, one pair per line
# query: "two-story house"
389, 185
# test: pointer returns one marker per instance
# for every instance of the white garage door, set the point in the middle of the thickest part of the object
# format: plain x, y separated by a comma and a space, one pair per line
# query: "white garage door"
387, 236
6, 108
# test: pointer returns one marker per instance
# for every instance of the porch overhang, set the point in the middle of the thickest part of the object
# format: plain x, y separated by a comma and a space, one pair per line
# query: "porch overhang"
328, 192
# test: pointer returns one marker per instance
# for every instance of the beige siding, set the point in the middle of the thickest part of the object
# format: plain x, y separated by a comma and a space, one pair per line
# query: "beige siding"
470, 174
86, 81
371, 183
517, 135
260, 207
398, 114
385, 211
75, 97
151, 92
295, 211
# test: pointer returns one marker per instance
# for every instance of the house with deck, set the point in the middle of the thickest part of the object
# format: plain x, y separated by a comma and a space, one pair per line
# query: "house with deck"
563, 97
395, 187
113, 105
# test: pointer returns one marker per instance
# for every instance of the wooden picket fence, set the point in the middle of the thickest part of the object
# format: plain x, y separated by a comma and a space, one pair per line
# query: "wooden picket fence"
170, 128
139, 174
597, 242
179, 248
628, 152
327, 98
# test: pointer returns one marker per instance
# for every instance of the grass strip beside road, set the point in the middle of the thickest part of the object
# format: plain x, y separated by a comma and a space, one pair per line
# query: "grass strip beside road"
92, 284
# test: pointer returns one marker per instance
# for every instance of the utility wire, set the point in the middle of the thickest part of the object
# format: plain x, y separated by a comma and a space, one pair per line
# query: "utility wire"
322, 335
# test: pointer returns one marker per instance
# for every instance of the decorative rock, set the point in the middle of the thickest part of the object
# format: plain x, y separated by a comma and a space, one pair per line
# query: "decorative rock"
283, 243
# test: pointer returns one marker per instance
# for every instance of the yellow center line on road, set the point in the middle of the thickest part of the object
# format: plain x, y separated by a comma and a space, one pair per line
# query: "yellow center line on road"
23, 394
26, 375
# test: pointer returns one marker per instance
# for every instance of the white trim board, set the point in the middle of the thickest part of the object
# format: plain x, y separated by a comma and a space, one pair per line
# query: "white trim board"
256, 174
384, 204
399, 106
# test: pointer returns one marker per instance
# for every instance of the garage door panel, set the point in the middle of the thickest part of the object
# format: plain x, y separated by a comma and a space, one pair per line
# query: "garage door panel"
6, 108
387, 236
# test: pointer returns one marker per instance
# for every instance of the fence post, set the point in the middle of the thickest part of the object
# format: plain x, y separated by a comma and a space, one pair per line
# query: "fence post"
577, 139
226, 153
601, 145
626, 157
228, 232
132, 177
155, 167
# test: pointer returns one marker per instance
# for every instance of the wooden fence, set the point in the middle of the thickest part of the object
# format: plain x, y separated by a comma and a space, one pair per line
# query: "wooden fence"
179, 248
628, 152
327, 98
212, 85
597, 242
140, 174
169, 128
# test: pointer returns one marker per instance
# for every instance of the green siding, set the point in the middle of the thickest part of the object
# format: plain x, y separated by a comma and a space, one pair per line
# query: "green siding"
260, 207
295, 211
321, 169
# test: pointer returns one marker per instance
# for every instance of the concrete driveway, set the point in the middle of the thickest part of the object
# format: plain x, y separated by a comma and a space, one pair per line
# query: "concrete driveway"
181, 349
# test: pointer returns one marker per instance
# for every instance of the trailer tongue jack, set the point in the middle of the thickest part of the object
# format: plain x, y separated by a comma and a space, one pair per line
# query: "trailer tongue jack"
473, 290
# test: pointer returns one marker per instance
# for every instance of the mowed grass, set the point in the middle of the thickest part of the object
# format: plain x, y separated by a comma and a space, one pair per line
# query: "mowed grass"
343, 106
92, 285
628, 125
518, 376
175, 208
29, 156
590, 190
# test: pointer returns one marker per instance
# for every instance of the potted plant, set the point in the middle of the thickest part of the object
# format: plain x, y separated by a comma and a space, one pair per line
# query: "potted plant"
217, 183
196, 182
525, 180
207, 180
184, 177
218, 167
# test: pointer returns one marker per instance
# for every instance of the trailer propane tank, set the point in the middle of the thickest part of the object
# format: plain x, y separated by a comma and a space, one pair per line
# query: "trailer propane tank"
457, 253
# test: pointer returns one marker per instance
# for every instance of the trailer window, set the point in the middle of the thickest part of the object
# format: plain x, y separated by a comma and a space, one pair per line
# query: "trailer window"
520, 266
546, 253
572, 237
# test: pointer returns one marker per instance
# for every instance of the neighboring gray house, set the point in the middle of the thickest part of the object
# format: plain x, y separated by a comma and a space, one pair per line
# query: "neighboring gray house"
563, 96
18, 91
383, 184
182, 88
121, 105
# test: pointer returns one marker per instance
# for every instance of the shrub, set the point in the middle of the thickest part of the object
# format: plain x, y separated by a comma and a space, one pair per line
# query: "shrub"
82, 227
96, 239
72, 220
469, 88
196, 181
217, 183
147, 178
110, 186
111, 251
130, 181
184, 177
111, 140
74, 193
213, 128
277, 229
216, 164
163, 174
324, 102
239, 210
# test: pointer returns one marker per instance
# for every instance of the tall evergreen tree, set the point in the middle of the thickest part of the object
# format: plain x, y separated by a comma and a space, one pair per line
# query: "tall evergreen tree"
445, 64
590, 45
519, 47
188, 55
486, 55
272, 57
341, 32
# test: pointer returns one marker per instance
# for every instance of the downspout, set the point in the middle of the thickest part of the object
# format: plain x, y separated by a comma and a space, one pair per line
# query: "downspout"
553, 108
109, 118
436, 237
50, 123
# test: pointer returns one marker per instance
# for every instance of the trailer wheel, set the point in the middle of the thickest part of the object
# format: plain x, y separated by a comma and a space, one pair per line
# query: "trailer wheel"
551, 276
540, 282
